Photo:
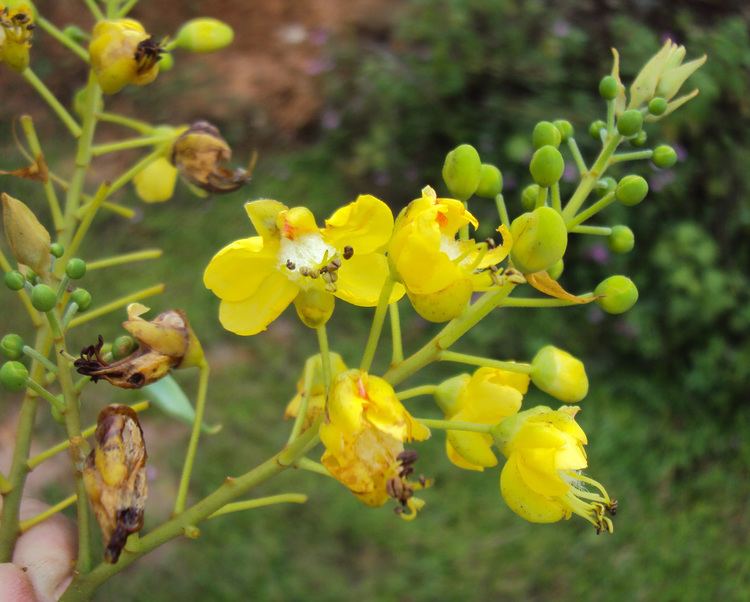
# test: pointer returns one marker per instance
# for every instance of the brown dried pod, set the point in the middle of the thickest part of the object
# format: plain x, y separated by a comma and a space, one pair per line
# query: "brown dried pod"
114, 475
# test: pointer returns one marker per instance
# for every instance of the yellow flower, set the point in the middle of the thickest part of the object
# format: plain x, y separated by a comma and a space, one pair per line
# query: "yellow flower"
16, 32
364, 439
439, 272
123, 53
487, 397
317, 400
257, 278
542, 480
155, 184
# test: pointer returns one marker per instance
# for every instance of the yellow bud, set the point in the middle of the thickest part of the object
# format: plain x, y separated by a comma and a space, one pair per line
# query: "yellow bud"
16, 32
29, 241
156, 183
448, 391
445, 304
204, 35
314, 306
559, 374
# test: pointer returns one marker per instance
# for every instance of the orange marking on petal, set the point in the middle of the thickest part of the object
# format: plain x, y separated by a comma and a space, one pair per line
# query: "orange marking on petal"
362, 390
442, 220
288, 231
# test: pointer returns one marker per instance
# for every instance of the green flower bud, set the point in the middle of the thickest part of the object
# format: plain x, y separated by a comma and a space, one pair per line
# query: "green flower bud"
559, 374
539, 240
13, 376
631, 190
616, 294
204, 35
596, 128
630, 122
43, 297
123, 346
664, 156
621, 239
657, 106
605, 186
82, 298
565, 128
76, 268
529, 196
556, 270
167, 62
29, 241
14, 280
608, 88
462, 171
11, 346
56, 249
448, 391
545, 133
639, 139
490, 181
547, 166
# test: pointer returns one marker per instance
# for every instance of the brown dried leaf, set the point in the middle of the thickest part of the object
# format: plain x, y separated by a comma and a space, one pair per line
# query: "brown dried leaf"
542, 282
37, 171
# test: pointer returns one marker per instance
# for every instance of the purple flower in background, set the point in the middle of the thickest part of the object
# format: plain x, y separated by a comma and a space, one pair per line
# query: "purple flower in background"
661, 179
681, 151
561, 28
382, 178
318, 65
571, 173
626, 329
598, 253
509, 181
330, 119
319, 36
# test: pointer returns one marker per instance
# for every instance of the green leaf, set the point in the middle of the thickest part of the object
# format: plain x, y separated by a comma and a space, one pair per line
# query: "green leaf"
167, 395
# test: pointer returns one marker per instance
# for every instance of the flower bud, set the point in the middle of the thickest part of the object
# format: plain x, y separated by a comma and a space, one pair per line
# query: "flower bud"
29, 241
565, 128
605, 186
204, 35
547, 166
43, 298
123, 346
314, 306
156, 182
82, 298
595, 129
446, 395
631, 190
16, 31
166, 63
559, 374
657, 106
545, 133
539, 240
490, 182
445, 304
462, 171
556, 270
616, 294
529, 196
639, 139
57, 250
664, 156
13, 376
14, 280
11, 346
621, 239
76, 268
630, 122
608, 87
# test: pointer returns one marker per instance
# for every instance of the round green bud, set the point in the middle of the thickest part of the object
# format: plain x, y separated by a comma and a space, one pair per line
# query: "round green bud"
621, 239
14, 280
57, 415
490, 181
596, 128
529, 196
56, 249
76, 268
123, 346
545, 133
657, 106
556, 270
539, 240
204, 35
547, 166
608, 87
631, 190
559, 374
639, 139
605, 186
13, 376
630, 122
616, 294
167, 62
664, 156
462, 171
43, 297
11, 346
82, 298
565, 128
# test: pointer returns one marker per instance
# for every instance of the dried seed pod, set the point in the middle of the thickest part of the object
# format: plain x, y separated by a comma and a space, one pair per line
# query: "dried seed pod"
115, 477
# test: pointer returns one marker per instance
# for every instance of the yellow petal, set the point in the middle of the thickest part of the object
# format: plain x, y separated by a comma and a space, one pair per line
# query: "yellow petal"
296, 222
263, 214
528, 504
424, 268
236, 272
487, 402
517, 380
538, 469
475, 448
361, 279
254, 314
459, 460
365, 225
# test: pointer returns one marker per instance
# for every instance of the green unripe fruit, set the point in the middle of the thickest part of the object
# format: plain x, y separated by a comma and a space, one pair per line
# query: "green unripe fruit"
547, 166
559, 374
639, 139
608, 87
462, 170
605, 186
82, 298
621, 239
596, 128
545, 133
631, 190
657, 106
56, 249
556, 270
616, 294
14, 280
76, 268
43, 297
664, 156
529, 196
490, 181
123, 346
13, 376
630, 122
539, 240
11, 346
204, 35
565, 128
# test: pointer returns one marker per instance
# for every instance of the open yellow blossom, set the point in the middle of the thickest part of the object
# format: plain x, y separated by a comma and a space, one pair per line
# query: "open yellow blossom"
364, 438
257, 278
487, 397
316, 403
542, 480
440, 272
16, 32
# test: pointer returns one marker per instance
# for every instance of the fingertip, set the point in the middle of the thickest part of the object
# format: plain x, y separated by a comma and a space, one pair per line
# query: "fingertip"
15, 585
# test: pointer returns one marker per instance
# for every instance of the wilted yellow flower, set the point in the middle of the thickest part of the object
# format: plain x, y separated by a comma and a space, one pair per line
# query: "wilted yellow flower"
257, 278
123, 53
16, 31
364, 439
440, 272
317, 400
156, 183
542, 480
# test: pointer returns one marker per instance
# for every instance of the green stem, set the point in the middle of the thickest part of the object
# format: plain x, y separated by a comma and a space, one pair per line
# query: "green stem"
126, 8
113, 147
634, 156
103, 310
577, 156
125, 259
502, 210
556, 203
46, 395
95, 10
325, 356
540, 302
299, 419
88, 217
128, 122
25, 525
590, 212
611, 117
70, 44
541, 198
187, 469
377, 325
592, 230
261, 502
312, 466
52, 101
416, 392
5, 485
135, 170
455, 425
397, 355
475, 360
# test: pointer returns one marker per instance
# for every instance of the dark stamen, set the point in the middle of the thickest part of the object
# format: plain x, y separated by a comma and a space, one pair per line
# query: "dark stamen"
348, 252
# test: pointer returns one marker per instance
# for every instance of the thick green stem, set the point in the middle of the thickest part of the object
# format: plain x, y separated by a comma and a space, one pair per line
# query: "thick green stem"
377, 325
590, 212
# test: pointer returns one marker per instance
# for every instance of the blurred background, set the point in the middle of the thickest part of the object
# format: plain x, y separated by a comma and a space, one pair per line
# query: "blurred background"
347, 96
